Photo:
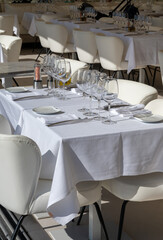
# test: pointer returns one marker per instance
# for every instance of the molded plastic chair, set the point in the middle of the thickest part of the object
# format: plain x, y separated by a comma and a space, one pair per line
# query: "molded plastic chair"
58, 39
5, 127
7, 23
110, 51
155, 106
22, 192
135, 92
86, 48
11, 46
140, 188
42, 34
76, 65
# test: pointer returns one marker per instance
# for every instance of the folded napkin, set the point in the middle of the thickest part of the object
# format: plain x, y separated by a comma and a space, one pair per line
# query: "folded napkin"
130, 108
24, 95
131, 111
50, 119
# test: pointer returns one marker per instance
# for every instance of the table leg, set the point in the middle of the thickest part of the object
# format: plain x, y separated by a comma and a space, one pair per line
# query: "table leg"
141, 76
94, 223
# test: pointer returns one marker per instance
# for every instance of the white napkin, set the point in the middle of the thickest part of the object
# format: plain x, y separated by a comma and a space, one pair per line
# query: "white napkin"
16, 96
50, 119
131, 111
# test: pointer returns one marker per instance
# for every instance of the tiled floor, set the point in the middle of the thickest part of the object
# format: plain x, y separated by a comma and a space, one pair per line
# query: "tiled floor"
143, 221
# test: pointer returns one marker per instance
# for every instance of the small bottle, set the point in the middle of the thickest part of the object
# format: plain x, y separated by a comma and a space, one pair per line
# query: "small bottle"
37, 82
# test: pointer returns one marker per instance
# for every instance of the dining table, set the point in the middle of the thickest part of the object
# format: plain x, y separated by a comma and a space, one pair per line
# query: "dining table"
140, 48
83, 149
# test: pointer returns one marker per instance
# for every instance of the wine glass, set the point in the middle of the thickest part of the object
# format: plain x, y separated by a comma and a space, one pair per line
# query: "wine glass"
91, 79
65, 74
110, 95
98, 91
81, 83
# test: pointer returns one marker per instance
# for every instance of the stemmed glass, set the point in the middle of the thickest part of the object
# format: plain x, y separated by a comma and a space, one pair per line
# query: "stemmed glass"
47, 68
64, 74
98, 91
110, 95
91, 79
81, 83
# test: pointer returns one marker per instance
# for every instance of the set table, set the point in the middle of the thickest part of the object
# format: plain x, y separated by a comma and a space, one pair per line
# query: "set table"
83, 151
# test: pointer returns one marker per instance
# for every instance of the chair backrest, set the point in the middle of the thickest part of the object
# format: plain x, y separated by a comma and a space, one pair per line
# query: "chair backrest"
135, 92
57, 37
42, 32
85, 44
11, 46
5, 127
20, 163
160, 58
75, 65
155, 106
7, 23
110, 50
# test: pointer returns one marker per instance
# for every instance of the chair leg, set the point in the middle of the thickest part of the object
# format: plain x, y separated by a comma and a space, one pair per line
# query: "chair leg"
146, 74
101, 219
81, 215
14, 235
15, 81
121, 219
154, 76
39, 54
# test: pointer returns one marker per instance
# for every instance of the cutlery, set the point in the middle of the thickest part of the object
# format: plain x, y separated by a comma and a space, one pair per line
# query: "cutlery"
70, 121
31, 97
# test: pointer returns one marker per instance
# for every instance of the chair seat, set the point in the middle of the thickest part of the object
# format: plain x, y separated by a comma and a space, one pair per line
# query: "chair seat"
146, 187
41, 197
88, 192
69, 48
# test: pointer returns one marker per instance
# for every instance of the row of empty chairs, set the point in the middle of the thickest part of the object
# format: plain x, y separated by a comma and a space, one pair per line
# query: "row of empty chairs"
99, 48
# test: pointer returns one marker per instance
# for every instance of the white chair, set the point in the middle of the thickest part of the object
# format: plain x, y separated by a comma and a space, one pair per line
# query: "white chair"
58, 39
160, 58
42, 35
11, 46
22, 191
76, 65
135, 92
5, 127
110, 50
140, 188
155, 106
86, 48
7, 23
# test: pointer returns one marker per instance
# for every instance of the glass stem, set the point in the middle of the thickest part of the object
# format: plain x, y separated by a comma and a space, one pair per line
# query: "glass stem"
99, 103
109, 111
90, 103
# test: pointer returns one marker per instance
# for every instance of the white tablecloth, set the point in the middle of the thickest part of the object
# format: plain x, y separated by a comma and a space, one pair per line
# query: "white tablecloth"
139, 49
28, 22
84, 151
